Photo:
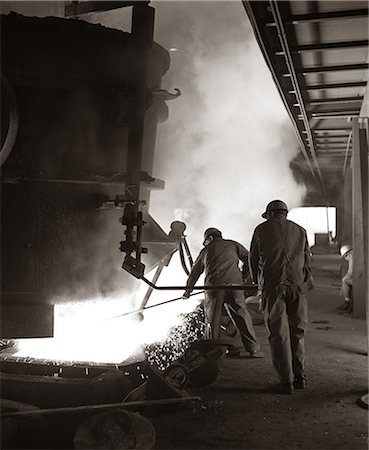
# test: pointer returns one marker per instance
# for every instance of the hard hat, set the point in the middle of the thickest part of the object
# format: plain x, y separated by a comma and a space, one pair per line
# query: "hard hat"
345, 249
275, 205
212, 232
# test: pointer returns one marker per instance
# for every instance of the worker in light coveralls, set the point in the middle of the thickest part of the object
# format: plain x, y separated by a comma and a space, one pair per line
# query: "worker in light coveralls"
346, 289
280, 264
219, 259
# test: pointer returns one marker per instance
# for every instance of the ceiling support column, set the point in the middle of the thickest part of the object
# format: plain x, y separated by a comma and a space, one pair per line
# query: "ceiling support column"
360, 219
346, 237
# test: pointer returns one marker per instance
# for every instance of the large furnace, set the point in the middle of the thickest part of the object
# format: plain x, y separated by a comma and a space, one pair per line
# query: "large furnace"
70, 98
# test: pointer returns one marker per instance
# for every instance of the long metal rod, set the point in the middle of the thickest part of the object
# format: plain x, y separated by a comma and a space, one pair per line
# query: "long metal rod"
156, 276
123, 405
140, 310
289, 62
238, 287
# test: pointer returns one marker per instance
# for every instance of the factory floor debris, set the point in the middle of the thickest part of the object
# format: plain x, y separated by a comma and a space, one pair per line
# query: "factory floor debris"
239, 410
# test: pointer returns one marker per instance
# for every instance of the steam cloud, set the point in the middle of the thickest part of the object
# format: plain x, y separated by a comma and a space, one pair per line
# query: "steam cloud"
225, 150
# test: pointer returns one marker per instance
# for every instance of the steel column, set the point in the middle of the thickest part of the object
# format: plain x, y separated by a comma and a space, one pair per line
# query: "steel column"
360, 220
347, 206
142, 37
142, 40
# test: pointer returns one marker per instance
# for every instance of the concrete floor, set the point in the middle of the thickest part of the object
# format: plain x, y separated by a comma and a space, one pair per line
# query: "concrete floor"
239, 410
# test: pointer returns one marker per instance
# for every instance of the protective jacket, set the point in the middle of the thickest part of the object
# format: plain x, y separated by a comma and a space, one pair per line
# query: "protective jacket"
280, 262
280, 255
219, 260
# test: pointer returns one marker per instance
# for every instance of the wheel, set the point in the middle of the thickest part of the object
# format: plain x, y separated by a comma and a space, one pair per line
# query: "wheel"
176, 375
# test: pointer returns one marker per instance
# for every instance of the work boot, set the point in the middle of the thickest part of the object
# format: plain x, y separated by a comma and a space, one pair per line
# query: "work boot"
236, 352
256, 354
284, 388
346, 306
300, 383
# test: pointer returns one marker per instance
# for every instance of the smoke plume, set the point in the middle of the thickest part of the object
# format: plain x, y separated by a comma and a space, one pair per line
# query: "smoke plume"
226, 148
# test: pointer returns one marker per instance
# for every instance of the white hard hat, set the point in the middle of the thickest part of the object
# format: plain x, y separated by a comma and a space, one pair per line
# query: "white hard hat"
345, 249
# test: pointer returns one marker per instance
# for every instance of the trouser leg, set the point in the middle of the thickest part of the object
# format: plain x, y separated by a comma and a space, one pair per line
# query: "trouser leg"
243, 320
297, 313
213, 312
346, 289
276, 321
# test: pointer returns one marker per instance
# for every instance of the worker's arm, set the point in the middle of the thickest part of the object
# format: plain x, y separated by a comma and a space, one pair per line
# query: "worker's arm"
196, 271
243, 256
254, 258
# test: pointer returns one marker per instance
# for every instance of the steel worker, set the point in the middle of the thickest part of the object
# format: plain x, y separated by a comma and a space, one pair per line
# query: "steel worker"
219, 259
346, 289
280, 264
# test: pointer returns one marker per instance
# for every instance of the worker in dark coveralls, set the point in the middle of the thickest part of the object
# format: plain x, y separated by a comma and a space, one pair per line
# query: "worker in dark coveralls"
219, 259
280, 264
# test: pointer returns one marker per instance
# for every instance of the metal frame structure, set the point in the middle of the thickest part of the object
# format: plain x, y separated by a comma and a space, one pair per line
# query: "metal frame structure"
317, 52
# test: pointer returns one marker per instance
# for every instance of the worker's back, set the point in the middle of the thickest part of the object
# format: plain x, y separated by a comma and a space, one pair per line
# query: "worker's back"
280, 251
221, 261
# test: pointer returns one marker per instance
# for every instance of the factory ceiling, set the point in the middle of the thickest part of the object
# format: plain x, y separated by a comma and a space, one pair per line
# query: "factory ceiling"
317, 52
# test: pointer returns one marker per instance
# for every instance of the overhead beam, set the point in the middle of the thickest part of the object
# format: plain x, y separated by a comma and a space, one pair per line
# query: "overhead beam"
328, 144
260, 37
275, 10
320, 141
324, 101
322, 16
336, 154
322, 69
332, 147
334, 113
322, 87
321, 138
332, 151
345, 130
325, 46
